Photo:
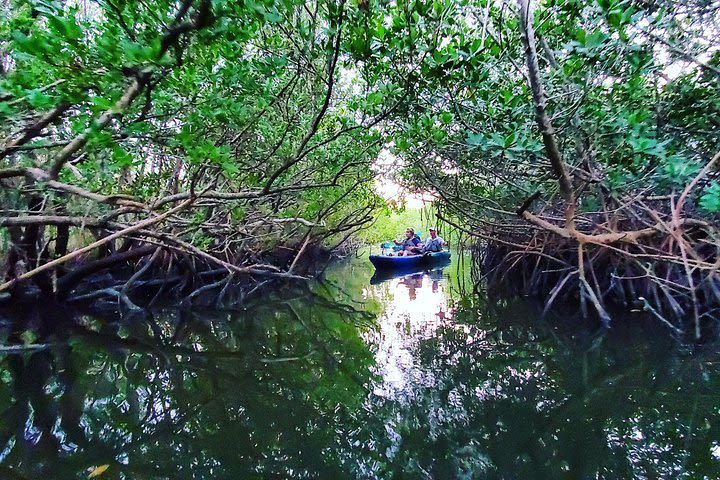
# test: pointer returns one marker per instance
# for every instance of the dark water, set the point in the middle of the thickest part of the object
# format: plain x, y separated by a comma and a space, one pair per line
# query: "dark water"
411, 378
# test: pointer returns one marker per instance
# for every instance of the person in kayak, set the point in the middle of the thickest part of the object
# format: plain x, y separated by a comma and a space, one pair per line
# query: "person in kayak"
432, 244
409, 244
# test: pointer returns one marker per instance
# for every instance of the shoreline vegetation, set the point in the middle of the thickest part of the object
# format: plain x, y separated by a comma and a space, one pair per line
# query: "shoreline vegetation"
639, 251
152, 155
195, 146
578, 163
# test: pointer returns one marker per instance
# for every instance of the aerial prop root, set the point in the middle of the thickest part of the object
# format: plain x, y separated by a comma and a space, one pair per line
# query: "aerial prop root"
654, 260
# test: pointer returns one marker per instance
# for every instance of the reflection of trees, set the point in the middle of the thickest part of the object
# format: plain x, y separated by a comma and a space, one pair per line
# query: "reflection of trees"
527, 400
185, 395
275, 391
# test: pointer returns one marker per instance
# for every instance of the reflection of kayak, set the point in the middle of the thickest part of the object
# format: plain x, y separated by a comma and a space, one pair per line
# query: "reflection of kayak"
384, 262
434, 272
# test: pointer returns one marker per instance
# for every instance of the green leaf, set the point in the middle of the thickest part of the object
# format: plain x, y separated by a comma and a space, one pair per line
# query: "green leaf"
710, 200
272, 16
33, 45
402, 144
230, 168
102, 103
65, 27
374, 99
121, 158
475, 139
446, 118
38, 99
509, 140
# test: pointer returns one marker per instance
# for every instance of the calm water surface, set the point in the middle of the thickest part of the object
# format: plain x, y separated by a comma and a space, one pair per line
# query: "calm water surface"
412, 377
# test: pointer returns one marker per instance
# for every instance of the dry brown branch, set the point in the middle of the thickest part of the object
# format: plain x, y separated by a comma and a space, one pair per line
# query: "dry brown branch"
540, 101
103, 241
34, 129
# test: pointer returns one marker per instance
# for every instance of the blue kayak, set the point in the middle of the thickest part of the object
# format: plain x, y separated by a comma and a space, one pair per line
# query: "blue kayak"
384, 262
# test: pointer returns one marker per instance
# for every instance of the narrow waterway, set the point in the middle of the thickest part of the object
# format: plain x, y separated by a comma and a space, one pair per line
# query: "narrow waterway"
410, 377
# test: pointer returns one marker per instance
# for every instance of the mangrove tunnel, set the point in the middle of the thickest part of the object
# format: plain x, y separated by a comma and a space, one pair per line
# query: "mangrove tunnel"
192, 192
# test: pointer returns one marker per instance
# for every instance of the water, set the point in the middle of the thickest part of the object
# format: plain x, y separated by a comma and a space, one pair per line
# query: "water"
414, 377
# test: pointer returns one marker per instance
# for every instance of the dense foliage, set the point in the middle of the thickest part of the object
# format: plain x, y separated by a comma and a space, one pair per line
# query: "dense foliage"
617, 195
231, 127
632, 92
222, 130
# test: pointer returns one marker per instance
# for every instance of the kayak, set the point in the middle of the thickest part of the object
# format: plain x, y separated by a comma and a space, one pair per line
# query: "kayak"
385, 262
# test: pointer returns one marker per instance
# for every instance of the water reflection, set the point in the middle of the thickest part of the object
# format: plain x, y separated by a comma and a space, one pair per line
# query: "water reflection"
254, 393
416, 306
472, 390
410, 378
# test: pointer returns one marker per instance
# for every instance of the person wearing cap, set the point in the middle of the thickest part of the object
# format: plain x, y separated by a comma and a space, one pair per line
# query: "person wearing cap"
434, 243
